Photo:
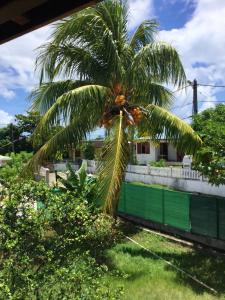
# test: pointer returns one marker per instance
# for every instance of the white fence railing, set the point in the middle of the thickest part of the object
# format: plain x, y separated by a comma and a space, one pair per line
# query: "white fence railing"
183, 173
174, 172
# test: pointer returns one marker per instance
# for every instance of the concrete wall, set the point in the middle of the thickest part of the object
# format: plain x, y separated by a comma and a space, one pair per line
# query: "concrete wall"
188, 185
62, 167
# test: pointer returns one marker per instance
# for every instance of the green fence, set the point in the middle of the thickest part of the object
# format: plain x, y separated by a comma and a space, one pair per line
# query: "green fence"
208, 216
221, 218
159, 205
198, 214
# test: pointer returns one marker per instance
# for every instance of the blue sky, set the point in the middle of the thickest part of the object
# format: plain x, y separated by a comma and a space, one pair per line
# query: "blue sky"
194, 27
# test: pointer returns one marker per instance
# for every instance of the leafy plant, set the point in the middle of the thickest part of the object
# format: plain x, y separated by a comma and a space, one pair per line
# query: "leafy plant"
210, 159
88, 150
48, 253
119, 85
79, 183
158, 163
11, 170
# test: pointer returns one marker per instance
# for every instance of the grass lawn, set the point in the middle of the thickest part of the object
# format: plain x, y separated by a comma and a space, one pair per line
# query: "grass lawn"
146, 277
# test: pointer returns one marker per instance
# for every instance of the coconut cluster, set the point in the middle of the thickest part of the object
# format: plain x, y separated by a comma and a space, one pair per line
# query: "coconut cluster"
132, 114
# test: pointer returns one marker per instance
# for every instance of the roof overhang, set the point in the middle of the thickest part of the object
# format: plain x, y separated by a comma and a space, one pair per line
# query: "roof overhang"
22, 16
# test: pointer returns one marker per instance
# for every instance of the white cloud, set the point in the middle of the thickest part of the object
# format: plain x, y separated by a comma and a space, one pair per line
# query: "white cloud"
17, 62
139, 10
5, 118
6, 93
202, 41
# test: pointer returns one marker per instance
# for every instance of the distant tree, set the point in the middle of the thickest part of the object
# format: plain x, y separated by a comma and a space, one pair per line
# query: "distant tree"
88, 150
19, 133
210, 159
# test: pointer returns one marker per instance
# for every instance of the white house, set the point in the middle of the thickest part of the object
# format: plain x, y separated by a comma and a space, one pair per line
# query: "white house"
147, 151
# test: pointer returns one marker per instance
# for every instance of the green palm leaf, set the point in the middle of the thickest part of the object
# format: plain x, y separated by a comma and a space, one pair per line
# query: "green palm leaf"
160, 61
143, 35
112, 166
89, 98
71, 135
153, 93
160, 123
46, 94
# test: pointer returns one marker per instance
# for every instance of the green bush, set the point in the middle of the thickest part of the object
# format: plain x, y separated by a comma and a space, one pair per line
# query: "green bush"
52, 253
159, 163
11, 170
88, 150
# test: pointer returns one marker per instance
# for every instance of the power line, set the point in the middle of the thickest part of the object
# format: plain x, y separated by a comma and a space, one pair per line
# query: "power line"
212, 101
182, 88
212, 85
186, 118
19, 139
181, 105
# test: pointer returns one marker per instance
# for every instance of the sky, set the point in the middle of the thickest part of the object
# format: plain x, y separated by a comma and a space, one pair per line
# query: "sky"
194, 27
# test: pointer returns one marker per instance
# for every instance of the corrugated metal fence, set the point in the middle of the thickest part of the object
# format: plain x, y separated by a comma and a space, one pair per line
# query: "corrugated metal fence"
189, 212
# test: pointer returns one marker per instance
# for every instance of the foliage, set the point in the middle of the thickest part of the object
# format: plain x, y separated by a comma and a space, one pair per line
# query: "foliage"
88, 150
158, 163
210, 159
119, 76
79, 183
111, 166
52, 253
19, 132
10, 171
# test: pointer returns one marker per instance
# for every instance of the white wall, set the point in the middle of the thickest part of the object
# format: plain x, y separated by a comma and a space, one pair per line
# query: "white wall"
62, 167
188, 185
146, 158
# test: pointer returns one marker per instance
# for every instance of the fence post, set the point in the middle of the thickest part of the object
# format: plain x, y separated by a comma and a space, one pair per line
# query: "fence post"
217, 218
163, 206
47, 176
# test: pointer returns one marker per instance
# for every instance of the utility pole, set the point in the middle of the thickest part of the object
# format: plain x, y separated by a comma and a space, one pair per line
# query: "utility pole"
12, 138
195, 97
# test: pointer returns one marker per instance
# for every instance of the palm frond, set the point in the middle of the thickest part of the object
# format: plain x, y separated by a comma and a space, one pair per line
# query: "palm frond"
71, 135
160, 123
98, 37
44, 96
69, 59
160, 62
152, 93
144, 34
89, 99
112, 167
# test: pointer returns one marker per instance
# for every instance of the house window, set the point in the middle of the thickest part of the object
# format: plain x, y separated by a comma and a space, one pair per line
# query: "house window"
143, 148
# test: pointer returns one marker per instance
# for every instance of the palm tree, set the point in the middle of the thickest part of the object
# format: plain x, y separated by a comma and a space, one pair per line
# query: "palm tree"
108, 78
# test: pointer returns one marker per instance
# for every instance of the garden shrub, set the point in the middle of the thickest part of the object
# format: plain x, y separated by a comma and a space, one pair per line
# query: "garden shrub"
158, 163
88, 150
52, 253
11, 170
